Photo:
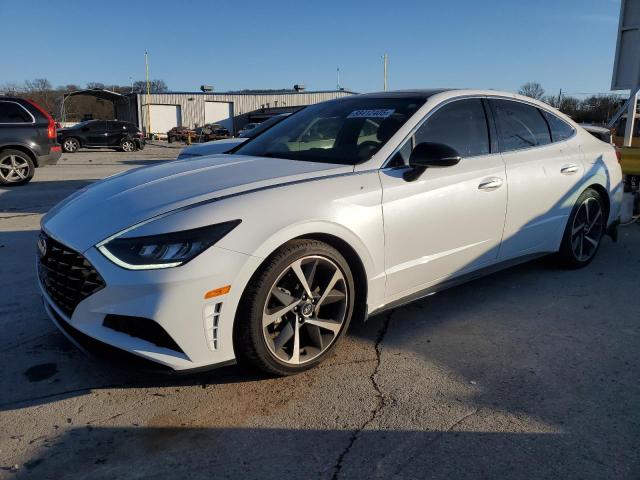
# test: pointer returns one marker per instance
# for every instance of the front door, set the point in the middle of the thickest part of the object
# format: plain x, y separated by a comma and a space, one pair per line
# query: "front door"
96, 133
450, 220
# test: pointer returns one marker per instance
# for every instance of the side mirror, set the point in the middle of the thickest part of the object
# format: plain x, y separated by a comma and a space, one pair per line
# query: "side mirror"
428, 154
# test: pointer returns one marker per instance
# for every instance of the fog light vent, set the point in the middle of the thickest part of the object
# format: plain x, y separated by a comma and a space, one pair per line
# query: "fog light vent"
211, 320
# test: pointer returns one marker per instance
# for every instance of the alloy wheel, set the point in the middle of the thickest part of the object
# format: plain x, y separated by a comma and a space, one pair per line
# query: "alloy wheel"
128, 146
14, 168
70, 145
305, 310
586, 230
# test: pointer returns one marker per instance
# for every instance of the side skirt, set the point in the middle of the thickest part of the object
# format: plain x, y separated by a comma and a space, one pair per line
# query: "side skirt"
452, 282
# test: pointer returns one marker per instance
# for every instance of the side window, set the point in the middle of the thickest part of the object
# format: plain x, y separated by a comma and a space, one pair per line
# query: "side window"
520, 125
97, 126
461, 125
11, 112
560, 130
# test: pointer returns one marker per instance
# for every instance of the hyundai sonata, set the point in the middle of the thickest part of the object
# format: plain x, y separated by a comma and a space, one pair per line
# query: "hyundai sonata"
342, 210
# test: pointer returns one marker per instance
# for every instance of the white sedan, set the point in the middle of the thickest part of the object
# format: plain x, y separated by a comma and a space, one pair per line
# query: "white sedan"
343, 210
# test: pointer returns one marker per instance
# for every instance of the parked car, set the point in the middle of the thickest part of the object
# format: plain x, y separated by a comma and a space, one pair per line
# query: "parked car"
27, 140
211, 132
123, 136
181, 134
227, 144
247, 128
341, 211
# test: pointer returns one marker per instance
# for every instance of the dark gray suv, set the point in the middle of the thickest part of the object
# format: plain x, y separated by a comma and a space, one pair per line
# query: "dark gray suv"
27, 140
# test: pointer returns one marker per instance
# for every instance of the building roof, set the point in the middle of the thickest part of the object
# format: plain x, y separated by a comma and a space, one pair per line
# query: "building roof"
254, 93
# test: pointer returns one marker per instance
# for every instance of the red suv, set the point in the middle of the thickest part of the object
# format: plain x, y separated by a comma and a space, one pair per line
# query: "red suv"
27, 140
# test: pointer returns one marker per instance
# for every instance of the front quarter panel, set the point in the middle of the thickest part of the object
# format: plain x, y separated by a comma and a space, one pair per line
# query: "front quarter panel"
347, 206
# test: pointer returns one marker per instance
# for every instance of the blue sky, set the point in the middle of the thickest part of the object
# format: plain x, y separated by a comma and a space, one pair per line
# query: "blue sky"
500, 44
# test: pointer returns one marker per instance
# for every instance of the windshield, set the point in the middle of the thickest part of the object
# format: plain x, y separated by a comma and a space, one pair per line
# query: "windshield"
346, 131
254, 132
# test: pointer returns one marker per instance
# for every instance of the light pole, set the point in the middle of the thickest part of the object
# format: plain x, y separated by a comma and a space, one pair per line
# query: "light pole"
146, 63
385, 60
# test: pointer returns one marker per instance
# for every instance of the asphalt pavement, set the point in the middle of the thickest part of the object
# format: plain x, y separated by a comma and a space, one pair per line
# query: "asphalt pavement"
533, 372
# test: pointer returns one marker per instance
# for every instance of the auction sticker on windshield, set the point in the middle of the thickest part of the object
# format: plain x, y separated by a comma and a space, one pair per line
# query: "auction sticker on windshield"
375, 113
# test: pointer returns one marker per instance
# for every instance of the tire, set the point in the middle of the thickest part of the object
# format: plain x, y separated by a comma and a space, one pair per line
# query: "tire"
277, 297
127, 145
70, 144
16, 167
584, 231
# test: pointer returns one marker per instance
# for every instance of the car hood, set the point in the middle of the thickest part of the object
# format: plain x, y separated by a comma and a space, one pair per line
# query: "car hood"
210, 148
111, 205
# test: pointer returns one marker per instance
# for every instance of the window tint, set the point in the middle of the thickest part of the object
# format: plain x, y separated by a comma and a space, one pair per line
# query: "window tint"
461, 125
11, 112
520, 125
560, 130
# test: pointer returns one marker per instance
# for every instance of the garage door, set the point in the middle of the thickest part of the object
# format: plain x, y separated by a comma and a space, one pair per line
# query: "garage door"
219, 112
164, 117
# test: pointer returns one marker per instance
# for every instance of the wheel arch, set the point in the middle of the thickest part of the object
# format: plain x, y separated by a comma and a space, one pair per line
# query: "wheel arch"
357, 269
21, 148
604, 194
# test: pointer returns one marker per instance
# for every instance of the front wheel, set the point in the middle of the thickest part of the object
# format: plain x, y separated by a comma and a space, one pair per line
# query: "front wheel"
295, 309
584, 231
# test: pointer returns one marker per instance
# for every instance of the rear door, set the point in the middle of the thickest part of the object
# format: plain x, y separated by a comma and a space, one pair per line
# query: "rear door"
450, 220
542, 177
115, 131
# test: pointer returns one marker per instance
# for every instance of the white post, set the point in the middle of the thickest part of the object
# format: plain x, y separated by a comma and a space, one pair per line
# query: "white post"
385, 60
631, 117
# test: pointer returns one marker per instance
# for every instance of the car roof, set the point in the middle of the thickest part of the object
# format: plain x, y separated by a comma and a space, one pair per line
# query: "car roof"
418, 93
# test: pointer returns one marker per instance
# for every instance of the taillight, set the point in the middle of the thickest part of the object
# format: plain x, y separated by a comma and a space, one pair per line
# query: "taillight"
51, 127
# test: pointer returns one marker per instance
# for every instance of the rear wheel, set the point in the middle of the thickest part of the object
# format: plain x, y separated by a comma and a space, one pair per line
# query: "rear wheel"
16, 167
127, 145
70, 145
296, 308
584, 231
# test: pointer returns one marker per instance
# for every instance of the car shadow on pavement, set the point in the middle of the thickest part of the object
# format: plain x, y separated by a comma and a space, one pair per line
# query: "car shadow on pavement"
38, 196
175, 451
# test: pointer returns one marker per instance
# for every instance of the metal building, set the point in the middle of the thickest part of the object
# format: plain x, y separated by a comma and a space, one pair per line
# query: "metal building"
194, 109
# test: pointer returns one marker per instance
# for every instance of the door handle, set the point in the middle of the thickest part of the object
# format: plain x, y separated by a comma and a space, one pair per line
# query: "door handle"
569, 169
491, 183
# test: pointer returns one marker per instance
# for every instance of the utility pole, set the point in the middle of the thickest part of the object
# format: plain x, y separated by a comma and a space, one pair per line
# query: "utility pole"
338, 79
385, 59
146, 63
559, 98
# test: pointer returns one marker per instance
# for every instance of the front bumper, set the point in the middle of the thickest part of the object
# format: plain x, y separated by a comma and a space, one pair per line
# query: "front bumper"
173, 298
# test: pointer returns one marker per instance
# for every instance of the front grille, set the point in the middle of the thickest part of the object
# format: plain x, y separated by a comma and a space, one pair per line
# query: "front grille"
67, 277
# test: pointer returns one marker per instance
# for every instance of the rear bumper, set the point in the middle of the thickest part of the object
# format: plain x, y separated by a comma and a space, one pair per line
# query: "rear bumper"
50, 159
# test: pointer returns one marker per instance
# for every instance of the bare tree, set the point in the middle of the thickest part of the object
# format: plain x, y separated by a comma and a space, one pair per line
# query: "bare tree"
533, 90
156, 86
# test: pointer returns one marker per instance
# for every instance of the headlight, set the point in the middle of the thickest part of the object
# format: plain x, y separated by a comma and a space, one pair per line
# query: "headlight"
165, 250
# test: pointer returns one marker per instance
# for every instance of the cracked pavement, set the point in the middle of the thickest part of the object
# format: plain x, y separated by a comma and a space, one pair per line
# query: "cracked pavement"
529, 373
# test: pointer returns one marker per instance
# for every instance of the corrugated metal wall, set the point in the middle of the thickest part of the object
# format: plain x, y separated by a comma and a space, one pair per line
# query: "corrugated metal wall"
192, 104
